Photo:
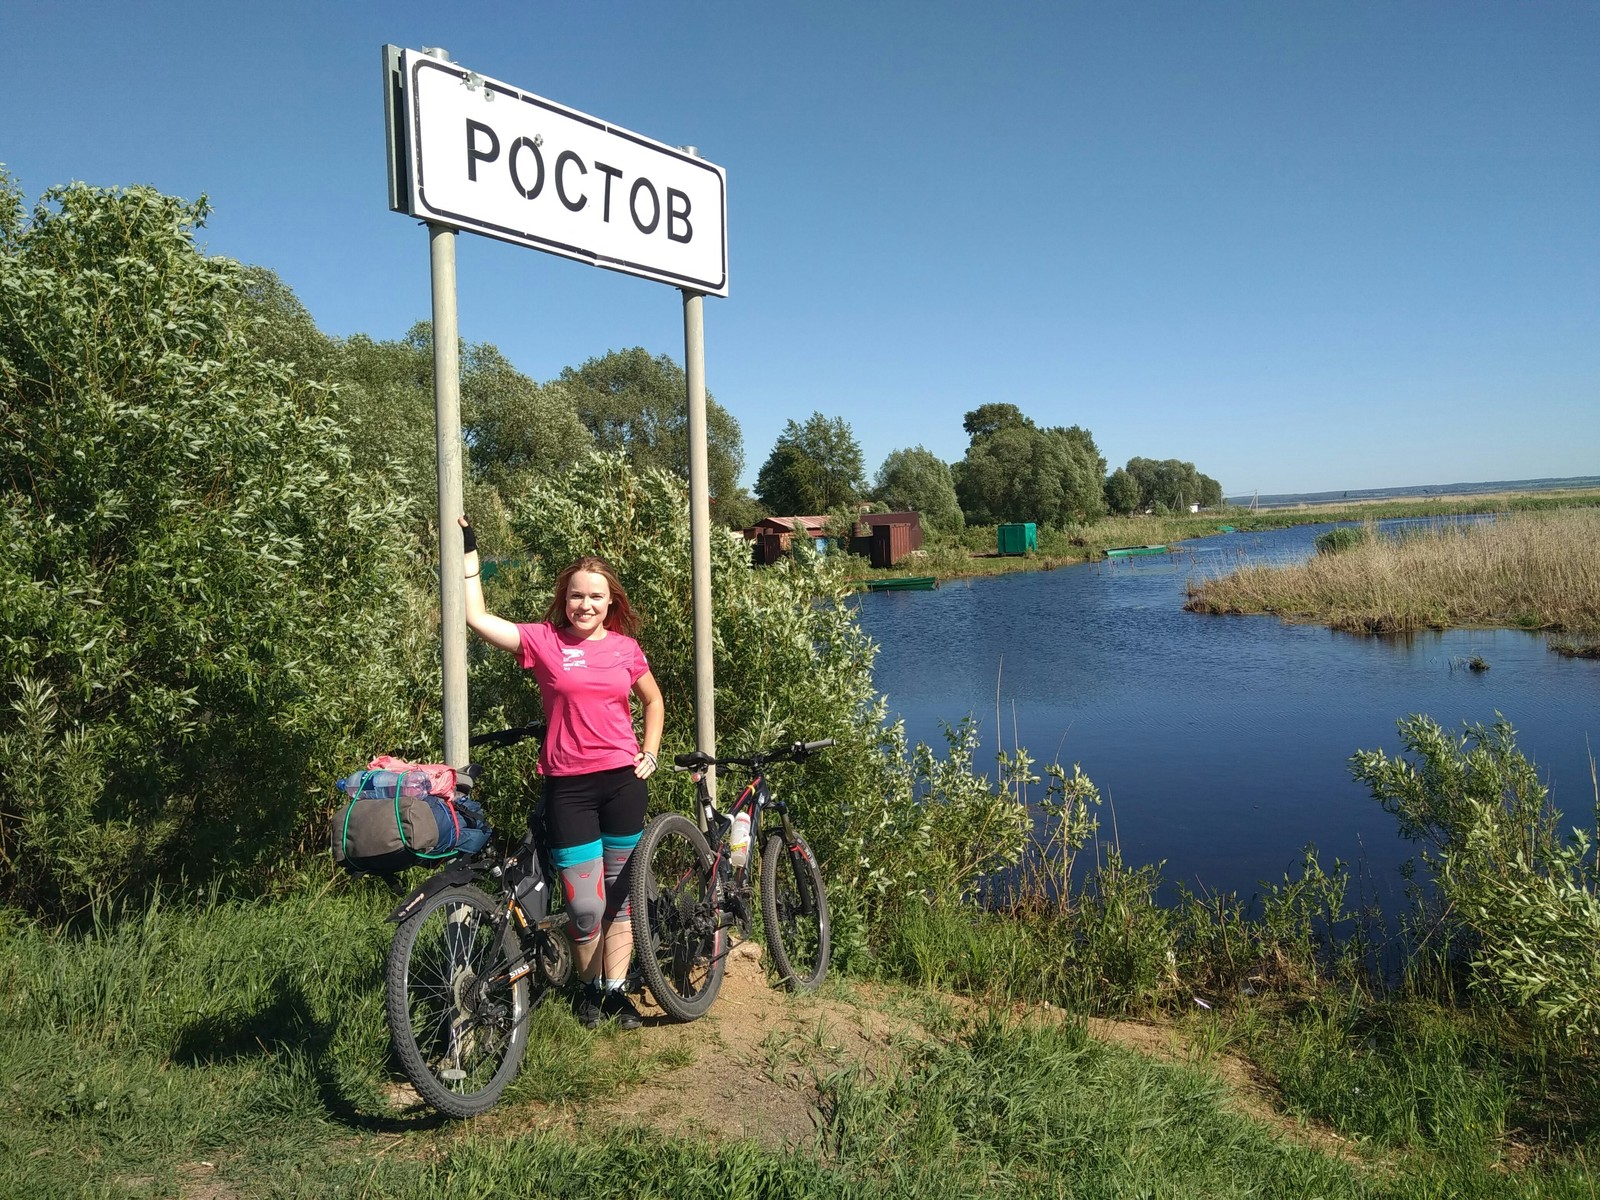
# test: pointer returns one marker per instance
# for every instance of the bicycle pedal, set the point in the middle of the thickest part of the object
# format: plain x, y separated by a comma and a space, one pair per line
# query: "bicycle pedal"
553, 921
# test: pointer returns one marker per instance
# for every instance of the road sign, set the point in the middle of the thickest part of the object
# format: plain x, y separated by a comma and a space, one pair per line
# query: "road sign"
471, 153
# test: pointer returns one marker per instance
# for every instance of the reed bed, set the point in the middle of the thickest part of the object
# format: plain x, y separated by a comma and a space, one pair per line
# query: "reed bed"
1528, 570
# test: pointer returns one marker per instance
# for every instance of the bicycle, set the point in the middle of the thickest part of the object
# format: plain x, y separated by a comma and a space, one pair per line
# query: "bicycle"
689, 896
461, 972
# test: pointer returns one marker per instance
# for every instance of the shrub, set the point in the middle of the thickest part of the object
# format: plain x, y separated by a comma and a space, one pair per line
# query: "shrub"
1529, 901
1293, 937
200, 603
1341, 538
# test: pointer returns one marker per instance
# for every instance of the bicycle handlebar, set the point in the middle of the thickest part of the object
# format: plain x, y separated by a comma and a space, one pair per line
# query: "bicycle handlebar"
695, 760
509, 737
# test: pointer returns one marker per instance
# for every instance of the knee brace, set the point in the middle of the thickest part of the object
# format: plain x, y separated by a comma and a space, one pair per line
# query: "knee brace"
617, 851
583, 881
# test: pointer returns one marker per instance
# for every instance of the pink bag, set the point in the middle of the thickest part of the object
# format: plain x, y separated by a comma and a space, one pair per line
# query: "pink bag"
441, 779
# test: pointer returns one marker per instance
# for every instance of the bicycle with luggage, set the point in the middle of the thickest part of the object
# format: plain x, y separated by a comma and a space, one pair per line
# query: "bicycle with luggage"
481, 941
476, 945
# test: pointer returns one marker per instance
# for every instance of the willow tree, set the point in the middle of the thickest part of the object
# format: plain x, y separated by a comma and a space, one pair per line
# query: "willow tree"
1015, 471
814, 468
633, 402
203, 607
919, 480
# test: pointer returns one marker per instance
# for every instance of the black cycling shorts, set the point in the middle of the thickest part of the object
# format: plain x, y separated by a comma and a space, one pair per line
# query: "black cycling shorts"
580, 809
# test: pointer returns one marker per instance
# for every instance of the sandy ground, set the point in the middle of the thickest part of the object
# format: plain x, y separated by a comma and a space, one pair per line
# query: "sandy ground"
756, 1057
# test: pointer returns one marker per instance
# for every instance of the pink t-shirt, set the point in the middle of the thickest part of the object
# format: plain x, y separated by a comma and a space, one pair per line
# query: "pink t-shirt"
584, 685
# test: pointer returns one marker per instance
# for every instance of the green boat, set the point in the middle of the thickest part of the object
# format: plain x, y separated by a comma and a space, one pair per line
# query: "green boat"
1130, 551
903, 583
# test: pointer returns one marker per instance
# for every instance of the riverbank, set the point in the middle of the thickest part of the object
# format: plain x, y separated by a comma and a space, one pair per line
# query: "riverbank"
972, 554
238, 1051
1537, 570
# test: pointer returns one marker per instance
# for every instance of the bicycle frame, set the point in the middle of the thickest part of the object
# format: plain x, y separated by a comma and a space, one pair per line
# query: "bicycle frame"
757, 796
529, 908
737, 887
697, 902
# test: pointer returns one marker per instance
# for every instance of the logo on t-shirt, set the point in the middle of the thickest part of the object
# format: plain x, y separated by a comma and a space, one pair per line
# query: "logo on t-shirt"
572, 658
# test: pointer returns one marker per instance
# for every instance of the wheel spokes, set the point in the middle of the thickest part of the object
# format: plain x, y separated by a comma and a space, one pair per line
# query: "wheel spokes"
682, 917
461, 1018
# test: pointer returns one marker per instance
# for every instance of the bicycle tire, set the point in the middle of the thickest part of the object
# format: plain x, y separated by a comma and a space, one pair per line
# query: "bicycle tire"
677, 931
794, 913
458, 1021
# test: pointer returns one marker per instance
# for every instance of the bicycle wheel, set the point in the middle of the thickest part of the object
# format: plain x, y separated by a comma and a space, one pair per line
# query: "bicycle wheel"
458, 1020
682, 948
794, 910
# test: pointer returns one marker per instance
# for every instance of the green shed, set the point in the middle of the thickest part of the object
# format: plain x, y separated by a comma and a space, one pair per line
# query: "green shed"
1017, 539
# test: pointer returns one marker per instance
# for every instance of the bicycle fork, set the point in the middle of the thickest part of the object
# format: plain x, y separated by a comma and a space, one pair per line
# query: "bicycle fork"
800, 861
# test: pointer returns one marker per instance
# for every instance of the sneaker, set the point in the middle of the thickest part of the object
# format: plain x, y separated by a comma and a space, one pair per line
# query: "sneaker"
589, 1007
616, 1005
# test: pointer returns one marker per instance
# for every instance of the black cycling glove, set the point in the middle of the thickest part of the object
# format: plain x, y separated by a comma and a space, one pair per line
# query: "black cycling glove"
469, 538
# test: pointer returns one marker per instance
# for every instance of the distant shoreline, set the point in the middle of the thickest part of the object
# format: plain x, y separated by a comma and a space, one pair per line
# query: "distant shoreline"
1443, 491
962, 558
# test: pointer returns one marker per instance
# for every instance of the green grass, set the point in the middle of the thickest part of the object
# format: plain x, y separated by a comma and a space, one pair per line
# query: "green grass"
1045, 1110
241, 1048
1440, 1094
247, 1033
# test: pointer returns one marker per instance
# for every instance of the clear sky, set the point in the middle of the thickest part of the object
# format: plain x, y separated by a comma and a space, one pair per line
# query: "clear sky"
1306, 245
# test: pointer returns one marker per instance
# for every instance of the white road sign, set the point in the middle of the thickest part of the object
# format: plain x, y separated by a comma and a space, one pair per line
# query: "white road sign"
476, 154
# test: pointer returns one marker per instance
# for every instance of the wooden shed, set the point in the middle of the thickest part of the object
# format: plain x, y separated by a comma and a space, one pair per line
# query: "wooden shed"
773, 537
886, 538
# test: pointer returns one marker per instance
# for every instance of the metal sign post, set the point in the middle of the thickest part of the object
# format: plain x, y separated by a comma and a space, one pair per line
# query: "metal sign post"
447, 424
694, 360
470, 153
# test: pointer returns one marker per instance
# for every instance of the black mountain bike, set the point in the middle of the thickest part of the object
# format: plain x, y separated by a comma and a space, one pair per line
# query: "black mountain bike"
467, 964
690, 896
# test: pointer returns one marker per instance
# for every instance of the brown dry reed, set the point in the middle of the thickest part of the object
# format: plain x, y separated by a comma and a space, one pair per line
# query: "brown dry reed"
1535, 570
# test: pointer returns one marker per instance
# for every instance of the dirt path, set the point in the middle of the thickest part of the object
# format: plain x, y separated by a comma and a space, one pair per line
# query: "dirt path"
778, 1046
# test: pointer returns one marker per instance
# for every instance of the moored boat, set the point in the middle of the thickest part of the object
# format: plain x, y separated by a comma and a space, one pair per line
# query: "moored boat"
1129, 551
903, 583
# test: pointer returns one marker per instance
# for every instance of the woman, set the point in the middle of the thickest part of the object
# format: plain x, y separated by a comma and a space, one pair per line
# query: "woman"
586, 664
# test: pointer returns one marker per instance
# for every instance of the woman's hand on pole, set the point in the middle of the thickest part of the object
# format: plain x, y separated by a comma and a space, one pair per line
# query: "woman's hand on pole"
469, 547
497, 631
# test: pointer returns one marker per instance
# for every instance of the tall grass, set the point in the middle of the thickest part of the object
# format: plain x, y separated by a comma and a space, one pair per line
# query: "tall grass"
1531, 570
251, 1033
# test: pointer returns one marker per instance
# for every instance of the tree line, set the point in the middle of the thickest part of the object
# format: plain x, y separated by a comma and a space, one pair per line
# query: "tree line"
632, 402
1013, 470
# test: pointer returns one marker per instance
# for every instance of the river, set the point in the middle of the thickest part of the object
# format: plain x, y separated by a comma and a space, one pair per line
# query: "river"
1221, 744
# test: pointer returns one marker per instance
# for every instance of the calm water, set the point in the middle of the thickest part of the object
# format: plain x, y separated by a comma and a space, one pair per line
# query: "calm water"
1221, 743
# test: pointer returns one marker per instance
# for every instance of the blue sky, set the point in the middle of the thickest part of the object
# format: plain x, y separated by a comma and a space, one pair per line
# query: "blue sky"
1307, 246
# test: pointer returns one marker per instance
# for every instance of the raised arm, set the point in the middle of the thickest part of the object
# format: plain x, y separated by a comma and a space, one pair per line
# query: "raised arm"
497, 631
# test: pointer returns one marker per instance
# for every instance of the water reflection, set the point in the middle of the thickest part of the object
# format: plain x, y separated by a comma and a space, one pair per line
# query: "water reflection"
1221, 744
